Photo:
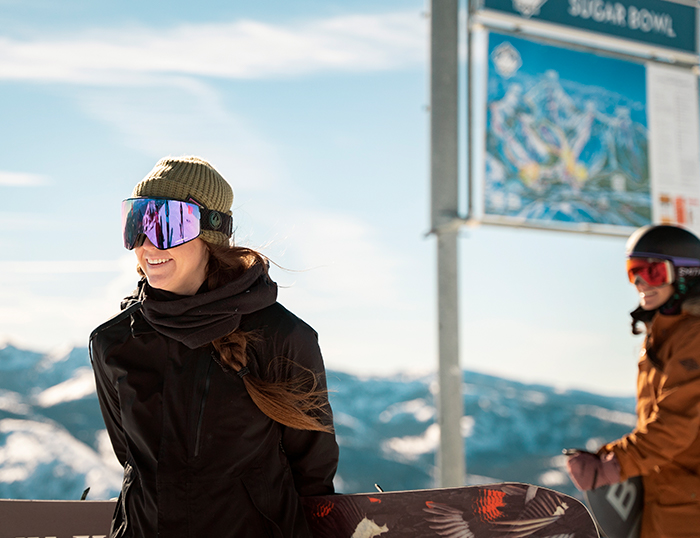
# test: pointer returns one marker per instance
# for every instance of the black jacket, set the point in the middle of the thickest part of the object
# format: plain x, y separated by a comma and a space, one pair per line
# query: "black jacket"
200, 459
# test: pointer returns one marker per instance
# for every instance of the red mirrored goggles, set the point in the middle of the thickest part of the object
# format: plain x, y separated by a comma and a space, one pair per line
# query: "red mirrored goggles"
653, 271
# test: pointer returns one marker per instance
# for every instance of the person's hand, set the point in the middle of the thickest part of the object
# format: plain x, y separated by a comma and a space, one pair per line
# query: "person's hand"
590, 471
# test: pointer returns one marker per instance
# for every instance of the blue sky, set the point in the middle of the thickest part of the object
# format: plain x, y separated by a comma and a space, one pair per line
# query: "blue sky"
315, 112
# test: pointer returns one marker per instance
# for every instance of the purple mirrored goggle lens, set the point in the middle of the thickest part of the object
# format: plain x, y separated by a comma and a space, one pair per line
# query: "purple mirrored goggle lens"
166, 223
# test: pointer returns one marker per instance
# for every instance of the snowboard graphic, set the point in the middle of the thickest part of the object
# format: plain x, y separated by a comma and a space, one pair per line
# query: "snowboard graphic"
504, 510
618, 508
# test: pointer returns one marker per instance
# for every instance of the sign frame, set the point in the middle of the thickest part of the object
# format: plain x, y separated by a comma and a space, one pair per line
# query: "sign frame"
616, 25
477, 40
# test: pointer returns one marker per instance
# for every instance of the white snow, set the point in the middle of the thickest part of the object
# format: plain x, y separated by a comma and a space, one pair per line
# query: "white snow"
79, 386
343, 419
339, 483
535, 397
12, 402
616, 417
410, 448
39, 452
594, 443
466, 424
419, 408
106, 451
553, 478
484, 403
58, 354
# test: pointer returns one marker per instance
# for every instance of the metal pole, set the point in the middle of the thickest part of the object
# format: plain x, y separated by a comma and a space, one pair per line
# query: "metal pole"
444, 176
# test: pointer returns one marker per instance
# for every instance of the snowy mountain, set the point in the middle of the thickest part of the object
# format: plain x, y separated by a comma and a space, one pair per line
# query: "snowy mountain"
52, 439
53, 444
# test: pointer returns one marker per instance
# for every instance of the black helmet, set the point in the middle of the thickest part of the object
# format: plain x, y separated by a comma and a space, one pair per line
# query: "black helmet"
682, 249
667, 242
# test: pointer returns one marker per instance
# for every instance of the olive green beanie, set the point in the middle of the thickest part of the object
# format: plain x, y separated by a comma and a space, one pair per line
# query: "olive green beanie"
185, 178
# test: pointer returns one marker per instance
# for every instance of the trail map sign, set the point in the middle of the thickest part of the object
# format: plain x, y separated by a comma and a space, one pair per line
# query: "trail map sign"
579, 137
566, 137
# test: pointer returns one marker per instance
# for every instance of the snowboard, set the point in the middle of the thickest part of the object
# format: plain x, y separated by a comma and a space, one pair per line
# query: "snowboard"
504, 510
618, 508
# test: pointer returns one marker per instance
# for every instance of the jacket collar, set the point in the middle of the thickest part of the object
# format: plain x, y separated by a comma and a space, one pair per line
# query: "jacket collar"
663, 325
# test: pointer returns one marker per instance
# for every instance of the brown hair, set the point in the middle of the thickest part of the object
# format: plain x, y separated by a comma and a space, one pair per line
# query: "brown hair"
299, 402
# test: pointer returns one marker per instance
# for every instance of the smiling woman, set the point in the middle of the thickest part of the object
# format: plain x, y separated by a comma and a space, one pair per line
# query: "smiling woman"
213, 394
180, 270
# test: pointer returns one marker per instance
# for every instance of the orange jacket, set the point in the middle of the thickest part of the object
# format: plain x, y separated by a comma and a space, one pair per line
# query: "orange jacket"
665, 445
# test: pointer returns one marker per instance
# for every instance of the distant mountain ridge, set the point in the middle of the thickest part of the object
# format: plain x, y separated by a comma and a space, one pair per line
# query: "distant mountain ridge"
53, 444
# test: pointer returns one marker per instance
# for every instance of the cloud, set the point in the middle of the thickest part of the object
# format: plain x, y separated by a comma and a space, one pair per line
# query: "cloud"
187, 117
334, 260
243, 49
46, 304
59, 267
21, 179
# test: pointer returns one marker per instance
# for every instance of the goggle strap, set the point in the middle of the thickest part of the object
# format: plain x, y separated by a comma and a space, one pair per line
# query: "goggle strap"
213, 220
216, 221
676, 260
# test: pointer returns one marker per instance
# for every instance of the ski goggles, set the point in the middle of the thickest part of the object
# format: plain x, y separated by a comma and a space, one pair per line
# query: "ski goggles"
653, 271
169, 223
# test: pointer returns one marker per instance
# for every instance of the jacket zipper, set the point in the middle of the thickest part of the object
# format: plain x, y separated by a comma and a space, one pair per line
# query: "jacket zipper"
200, 421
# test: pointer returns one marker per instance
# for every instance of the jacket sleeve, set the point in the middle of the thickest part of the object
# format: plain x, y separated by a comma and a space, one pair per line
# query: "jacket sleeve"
109, 400
674, 420
312, 455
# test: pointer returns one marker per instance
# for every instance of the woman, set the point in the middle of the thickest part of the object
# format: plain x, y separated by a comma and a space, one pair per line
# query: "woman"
663, 262
213, 394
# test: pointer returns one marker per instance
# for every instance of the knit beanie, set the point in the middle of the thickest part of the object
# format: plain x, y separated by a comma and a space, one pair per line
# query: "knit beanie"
185, 178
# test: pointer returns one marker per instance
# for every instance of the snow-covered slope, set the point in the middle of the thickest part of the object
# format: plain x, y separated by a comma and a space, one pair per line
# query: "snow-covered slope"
53, 444
43, 460
512, 431
52, 439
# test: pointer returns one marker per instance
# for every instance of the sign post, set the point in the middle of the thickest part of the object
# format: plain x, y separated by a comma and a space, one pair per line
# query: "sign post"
444, 151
